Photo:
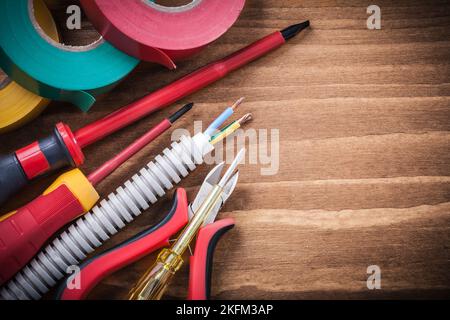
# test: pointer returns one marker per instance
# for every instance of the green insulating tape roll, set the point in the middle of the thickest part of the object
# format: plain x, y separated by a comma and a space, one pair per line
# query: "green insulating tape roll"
51, 70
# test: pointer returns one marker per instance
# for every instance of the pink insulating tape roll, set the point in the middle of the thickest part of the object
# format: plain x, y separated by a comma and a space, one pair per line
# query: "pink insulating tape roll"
160, 34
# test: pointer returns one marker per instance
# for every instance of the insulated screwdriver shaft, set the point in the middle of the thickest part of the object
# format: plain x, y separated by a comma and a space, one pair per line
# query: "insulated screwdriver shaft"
64, 148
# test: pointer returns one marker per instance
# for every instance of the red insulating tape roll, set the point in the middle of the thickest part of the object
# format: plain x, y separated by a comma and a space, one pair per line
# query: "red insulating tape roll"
164, 35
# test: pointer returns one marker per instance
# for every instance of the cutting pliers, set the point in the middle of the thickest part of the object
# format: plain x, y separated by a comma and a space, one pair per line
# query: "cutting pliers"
93, 270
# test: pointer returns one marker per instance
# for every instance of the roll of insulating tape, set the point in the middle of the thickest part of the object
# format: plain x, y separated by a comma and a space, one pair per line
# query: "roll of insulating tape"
18, 105
52, 70
156, 33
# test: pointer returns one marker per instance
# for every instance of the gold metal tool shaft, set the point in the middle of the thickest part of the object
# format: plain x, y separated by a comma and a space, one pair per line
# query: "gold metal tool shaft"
154, 282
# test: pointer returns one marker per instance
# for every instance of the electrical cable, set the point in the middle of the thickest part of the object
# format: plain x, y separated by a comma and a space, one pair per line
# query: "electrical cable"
231, 128
222, 118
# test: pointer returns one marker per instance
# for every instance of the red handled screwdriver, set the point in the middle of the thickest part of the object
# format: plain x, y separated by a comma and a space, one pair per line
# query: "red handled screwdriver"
63, 147
23, 232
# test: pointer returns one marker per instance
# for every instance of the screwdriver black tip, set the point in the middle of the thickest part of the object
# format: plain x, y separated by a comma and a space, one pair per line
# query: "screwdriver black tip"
293, 30
177, 115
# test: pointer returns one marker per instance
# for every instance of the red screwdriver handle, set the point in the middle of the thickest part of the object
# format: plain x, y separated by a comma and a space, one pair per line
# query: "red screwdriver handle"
92, 271
201, 262
53, 152
25, 231
62, 149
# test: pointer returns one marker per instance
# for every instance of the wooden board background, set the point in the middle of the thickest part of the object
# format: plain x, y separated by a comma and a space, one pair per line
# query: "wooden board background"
364, 174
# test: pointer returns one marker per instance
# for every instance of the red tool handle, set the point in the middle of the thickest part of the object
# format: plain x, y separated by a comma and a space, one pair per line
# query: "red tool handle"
94, 270
57, 150
176, 90
202, 261
22, 233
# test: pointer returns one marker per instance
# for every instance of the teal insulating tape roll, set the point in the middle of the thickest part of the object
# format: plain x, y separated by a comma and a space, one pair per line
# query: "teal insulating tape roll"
52, 70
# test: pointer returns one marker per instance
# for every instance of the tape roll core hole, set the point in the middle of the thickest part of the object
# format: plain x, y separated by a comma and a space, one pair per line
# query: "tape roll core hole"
90, 40
173, 5
4, 79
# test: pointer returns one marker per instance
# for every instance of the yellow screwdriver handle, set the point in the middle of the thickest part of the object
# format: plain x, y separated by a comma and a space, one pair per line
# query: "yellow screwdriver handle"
25, 230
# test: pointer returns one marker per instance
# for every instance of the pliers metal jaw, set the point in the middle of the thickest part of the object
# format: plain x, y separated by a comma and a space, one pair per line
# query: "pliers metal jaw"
93, 270
201, 262
210, 181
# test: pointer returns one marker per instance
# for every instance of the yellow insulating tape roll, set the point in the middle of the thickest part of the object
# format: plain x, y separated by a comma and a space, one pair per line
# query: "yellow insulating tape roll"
18, 105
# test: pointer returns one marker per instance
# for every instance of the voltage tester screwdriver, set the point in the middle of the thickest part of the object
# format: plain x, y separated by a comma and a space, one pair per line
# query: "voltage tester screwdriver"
64, 148
98, 267
154, 282
23, 232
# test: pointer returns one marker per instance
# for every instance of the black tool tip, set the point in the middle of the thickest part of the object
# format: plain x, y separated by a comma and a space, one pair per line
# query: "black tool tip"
177, 115
295, 29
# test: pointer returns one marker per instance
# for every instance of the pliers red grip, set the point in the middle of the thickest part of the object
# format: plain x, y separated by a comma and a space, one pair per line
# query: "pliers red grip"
201, 262
93, 270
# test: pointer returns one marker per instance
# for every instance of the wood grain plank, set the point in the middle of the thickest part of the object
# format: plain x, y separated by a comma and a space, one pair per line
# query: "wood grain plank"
363, 118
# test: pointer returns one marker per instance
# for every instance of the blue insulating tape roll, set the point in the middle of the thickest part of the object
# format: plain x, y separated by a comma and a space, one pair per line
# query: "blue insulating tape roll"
51, 70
